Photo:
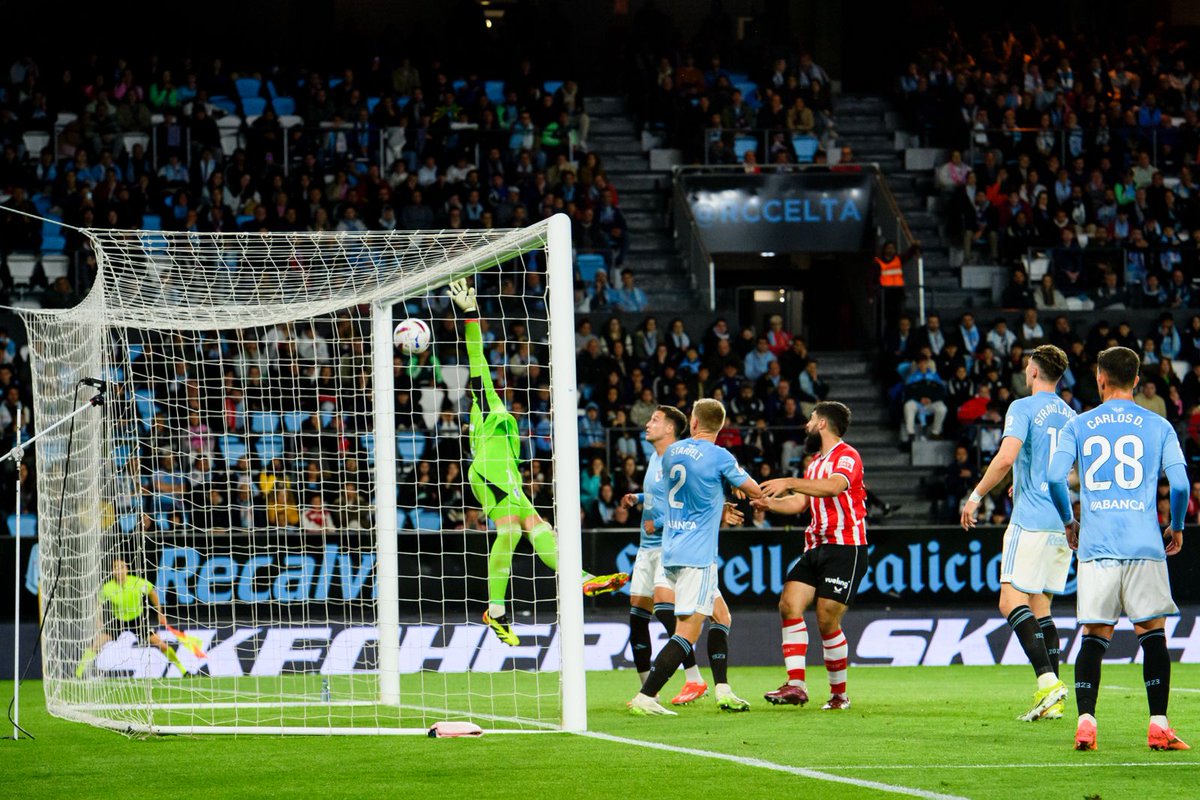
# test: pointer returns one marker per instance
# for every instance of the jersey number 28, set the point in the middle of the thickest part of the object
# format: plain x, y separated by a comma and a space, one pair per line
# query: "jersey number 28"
1128, 472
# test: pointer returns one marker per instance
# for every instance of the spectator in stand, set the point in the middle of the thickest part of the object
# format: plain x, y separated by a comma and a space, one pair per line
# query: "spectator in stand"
961, 477
630, 298
1047, 296
924, 395
1017, 295
1149, 399
811, 389
759, 359
778, 339
1000, 339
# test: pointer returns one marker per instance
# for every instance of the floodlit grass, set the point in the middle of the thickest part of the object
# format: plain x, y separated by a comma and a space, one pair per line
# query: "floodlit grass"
949, 731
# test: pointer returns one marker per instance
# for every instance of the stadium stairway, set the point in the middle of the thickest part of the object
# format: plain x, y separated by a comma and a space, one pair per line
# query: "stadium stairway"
644, 197
888, 470
870, 126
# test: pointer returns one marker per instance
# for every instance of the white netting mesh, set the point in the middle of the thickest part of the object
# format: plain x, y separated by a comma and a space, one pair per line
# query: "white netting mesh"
233, 466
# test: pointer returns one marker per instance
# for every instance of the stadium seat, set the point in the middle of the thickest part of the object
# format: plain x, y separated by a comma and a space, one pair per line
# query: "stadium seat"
53, 244
371, 103
143, 401
242, 219
552, 86
28, 523
135, 138
749, 92
289, 120
284, 106
588, 264
293, 421
230, 142
269, 448
410, 446
264, 422
458, 85
333, 83
121, 456
426, 519
248, 87
49, 228
805, 146
233, 448
744, 144
34, 142
254, 106
151, 222
229, 122
65, 118
127, 522
494, 91
135, 351
226, 104
43, 203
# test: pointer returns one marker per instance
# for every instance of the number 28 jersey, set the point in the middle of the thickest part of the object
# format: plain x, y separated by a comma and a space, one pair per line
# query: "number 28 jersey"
696, 472
1120, 449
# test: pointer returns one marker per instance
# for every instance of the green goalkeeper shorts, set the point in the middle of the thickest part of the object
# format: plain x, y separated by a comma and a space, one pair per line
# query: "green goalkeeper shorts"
500, 495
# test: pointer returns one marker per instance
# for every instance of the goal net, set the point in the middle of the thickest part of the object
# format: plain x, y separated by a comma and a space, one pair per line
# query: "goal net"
293, 488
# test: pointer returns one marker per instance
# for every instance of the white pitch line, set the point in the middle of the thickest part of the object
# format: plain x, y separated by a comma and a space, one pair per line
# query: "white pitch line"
1065, 765
1131, 689
813, 774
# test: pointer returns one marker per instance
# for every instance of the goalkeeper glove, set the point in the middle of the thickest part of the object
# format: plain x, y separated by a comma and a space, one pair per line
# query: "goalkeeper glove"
463, 296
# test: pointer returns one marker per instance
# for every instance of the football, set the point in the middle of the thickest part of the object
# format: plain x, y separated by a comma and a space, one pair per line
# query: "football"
412, 336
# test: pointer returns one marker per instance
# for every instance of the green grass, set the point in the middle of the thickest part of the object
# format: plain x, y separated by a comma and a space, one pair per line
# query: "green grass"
949, 730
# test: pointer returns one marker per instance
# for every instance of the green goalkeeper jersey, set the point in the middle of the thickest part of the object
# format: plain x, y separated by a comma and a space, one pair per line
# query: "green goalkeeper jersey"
126, 600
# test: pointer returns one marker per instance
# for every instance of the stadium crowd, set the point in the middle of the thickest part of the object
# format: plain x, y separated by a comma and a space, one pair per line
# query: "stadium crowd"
1073, 165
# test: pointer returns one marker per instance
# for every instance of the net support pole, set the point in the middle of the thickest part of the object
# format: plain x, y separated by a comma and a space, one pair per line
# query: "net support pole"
387, 570
16, 702
565, 401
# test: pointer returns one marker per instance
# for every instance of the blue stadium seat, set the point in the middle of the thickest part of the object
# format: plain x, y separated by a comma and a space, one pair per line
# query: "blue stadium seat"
248, 87
293, 421
269, 448
228, 105
127, 523
410, 446
233, 448
135, 351
242, 219
368, 445
805, 146
264, 422
53, 244
271, 89
552, 86
254, 106
494, 91
458, 85
588, 264
743, 145
43, 203
333, 83
143, 400
151, 222
284, 106
49, 228
426, 519
28, 525
121, 455
372, 102
749, 92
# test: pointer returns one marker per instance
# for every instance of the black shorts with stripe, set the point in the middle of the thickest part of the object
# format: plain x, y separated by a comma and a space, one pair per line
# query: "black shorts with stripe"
834, 570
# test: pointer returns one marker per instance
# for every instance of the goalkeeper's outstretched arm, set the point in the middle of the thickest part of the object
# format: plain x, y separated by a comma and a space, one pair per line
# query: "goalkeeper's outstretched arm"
480, 371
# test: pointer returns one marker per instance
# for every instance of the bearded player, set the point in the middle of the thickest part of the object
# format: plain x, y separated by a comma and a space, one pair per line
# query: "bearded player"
496, 481
835, 552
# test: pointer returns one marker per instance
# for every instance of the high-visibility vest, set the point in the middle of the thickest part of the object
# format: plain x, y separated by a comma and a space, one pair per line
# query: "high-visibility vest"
891, 273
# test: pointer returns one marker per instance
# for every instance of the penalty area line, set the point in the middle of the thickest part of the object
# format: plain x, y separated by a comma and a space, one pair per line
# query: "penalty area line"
1064, 765
803, 772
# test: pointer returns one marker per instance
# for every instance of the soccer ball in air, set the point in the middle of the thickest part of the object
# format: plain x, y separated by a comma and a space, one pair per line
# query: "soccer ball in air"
412, 336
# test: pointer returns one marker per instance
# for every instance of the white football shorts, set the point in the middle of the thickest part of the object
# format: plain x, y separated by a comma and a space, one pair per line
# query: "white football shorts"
647, 566
1108, 587
1035, 562
695, 589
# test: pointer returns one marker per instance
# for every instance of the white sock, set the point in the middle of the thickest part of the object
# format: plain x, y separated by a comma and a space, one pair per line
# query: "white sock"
693, 674
496, 610
644, 675
1088, 717
1160, 721
723, 689
1046, 680
801, 684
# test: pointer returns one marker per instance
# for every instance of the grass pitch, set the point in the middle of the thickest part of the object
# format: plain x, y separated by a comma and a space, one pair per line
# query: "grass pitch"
925, 732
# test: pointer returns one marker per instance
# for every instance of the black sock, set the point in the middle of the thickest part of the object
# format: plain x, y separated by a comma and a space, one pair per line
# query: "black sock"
718, 652
639, 637
1156, 670
1050, 637
1087, 672
665, 665
665, 612
1029, 634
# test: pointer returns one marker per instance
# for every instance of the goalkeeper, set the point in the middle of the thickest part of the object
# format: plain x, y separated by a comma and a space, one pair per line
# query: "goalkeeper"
123, 608
496, 481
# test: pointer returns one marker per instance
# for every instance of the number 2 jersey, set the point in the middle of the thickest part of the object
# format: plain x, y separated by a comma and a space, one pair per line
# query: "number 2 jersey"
1120, 449
696, 472
841, 519
1036, 422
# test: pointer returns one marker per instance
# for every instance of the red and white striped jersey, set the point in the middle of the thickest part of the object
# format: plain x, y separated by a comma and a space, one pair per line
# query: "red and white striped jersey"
841, 519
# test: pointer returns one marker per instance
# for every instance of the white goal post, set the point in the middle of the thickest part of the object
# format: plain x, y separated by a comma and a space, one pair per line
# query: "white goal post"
251, 388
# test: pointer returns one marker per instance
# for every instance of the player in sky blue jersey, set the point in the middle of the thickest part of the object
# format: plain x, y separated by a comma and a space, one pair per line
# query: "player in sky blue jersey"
1036, 557
648, 588
697, 472
1120, 449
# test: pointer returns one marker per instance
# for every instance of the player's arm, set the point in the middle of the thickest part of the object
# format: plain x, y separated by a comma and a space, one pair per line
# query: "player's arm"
153, 595
832, 486
1056, 477
792, 504
630, 500
1001, 464
463, 296
1177, 477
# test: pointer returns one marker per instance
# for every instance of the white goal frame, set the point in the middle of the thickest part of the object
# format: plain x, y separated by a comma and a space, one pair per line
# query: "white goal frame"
553, 237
